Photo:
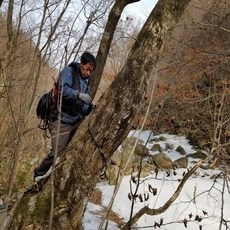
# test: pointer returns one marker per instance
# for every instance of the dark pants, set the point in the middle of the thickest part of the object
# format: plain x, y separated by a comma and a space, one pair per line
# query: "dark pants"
66, 133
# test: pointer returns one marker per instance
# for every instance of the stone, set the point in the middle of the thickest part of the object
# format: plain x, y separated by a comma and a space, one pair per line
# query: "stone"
181, 150
199, 154
162, 138
181, 162
169, 146
161, 160
156, 147
112, 173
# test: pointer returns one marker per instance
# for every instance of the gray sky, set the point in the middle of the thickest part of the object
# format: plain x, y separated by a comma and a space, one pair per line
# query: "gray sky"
140, 9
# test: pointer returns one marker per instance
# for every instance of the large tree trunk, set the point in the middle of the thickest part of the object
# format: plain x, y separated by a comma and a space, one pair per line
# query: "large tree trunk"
109, 124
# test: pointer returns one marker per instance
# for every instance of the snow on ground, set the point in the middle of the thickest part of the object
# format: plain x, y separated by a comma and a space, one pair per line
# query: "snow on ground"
201, 197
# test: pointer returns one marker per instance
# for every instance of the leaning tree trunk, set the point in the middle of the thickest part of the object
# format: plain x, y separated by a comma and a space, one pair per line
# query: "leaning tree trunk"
109, 124
106, 40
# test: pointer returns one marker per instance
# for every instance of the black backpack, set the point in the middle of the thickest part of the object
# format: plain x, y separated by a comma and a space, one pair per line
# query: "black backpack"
46, 105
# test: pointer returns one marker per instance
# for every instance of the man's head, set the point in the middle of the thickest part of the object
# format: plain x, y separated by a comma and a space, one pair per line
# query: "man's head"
88, 64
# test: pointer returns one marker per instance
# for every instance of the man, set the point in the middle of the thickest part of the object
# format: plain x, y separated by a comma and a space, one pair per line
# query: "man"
73, 90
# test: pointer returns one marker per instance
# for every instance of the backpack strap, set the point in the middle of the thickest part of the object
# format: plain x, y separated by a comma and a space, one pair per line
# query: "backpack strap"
76, 77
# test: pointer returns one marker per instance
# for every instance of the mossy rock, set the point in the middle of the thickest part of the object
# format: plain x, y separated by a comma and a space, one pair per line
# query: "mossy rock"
157, 147
162, 138
112, 173
181, 162
156, 139
199, 154
161, 160
121, 156
146, 168
169, 146
141, 150
130, 141
202, 144
181, 150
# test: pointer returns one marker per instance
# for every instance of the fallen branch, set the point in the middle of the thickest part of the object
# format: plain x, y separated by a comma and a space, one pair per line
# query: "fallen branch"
153, 212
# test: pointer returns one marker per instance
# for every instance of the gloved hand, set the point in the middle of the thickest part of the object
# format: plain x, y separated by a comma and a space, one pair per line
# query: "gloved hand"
85, 97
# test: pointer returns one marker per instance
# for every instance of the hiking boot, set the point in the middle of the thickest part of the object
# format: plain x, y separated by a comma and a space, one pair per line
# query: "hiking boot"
37, 185
34, 188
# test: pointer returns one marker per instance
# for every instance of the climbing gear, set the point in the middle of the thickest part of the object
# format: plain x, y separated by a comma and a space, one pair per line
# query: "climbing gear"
34, 188
99, 146
46, 105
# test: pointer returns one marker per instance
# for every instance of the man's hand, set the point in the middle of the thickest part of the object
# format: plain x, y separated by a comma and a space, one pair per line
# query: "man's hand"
85, 97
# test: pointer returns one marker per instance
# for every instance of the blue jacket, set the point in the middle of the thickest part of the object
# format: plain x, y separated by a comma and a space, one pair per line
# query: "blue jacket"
73, 109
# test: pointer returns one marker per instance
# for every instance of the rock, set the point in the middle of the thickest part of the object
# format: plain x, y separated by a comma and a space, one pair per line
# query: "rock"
146, 168
155, 139
130, 141
111, 174
121, 157
199, 154
181, 150
125, 151
181, 162
156, 147
141, 150
202, 144
116, 158
162, 138
169, 146
161, 160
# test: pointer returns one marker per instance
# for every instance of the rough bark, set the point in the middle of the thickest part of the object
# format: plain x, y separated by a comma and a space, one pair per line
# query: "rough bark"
106, 40
109, 124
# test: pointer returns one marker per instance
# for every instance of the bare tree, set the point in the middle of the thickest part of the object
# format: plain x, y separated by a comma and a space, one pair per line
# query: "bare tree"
106, 41
77, 175
22, 86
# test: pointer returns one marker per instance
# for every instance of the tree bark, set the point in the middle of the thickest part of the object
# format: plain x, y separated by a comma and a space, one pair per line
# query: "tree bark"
106, 40
109, 124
